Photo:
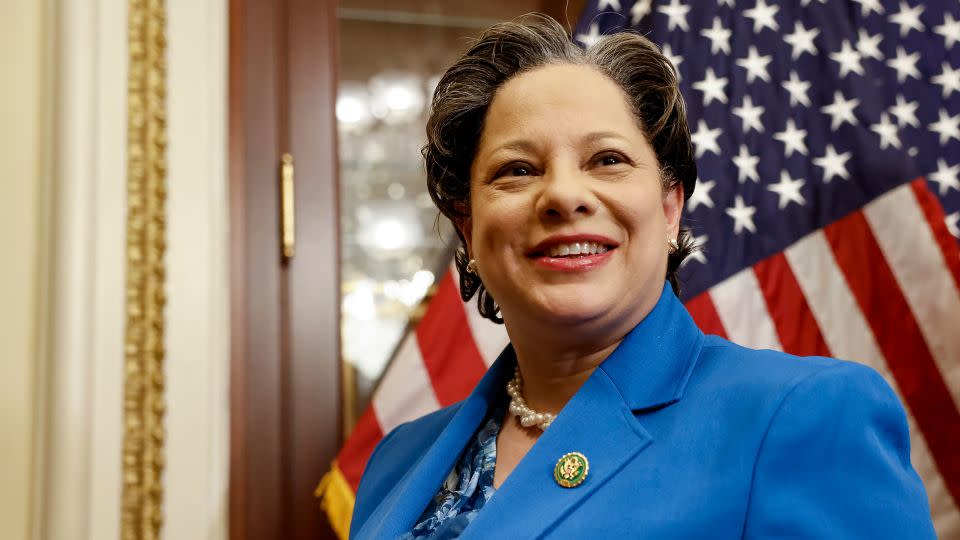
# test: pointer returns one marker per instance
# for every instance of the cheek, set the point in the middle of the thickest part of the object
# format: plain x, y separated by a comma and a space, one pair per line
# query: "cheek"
498, 224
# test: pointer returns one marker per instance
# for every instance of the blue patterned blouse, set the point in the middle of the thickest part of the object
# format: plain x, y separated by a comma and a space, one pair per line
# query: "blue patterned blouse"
467, 488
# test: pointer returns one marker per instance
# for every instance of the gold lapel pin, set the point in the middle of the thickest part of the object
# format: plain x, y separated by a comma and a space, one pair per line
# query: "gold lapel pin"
571, 469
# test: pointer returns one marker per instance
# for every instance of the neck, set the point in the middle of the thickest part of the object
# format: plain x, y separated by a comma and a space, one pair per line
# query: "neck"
556, 359
552, 373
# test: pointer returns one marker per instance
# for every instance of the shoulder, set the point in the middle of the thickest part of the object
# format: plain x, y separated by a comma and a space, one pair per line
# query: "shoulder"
829, 430
779, 392
395, 454
774, 374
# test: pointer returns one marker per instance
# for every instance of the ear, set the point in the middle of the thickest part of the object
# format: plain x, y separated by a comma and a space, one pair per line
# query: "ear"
673, 209
465, 226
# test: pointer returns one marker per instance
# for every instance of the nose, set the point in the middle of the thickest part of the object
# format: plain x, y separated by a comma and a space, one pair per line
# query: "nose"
565, 195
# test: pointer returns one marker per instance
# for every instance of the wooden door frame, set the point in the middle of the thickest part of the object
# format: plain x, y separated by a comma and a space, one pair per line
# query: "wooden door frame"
285, 350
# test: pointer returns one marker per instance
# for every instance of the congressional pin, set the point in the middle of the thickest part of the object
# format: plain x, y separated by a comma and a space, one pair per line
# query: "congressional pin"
571, 469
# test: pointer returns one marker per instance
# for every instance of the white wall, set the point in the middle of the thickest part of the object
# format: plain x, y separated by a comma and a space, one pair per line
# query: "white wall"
22, 50
82, 382
198, 331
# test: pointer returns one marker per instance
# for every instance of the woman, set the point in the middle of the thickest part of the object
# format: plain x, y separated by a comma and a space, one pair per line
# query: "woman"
565, 173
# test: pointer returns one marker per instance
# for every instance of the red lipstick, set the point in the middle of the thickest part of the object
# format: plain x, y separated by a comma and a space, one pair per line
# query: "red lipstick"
576, 263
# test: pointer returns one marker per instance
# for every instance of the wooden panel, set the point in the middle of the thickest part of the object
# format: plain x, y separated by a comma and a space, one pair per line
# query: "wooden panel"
284, 317
313, 370
256, 503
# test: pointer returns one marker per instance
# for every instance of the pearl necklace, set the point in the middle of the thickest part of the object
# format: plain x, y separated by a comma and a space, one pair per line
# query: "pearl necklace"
518, 407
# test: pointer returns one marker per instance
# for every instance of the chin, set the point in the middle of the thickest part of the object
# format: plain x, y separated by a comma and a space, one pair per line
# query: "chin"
577, 312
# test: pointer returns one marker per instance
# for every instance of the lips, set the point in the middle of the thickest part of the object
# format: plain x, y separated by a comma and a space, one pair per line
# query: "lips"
572, 253
572, 245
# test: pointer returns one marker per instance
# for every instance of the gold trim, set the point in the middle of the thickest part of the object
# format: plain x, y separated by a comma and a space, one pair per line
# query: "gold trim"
143, 402
288, 207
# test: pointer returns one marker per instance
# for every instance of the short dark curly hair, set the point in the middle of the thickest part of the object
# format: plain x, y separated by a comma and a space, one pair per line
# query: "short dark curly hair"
508, 49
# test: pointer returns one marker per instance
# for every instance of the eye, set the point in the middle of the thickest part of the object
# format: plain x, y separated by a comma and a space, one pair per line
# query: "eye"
610, 158
515, 169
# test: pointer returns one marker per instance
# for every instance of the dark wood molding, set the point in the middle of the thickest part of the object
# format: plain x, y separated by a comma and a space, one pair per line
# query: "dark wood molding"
255, 480
284, 318
313, 276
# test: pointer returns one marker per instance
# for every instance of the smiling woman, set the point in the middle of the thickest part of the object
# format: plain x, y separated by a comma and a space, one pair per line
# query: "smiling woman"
610, 413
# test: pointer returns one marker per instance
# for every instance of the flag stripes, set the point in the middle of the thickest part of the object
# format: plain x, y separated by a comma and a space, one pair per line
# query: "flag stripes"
930, 291
879, 297
406, 390
743, 311
796, 327
705, 314
447, 346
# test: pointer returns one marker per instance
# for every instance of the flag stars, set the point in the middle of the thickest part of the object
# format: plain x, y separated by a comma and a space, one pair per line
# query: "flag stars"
763, 16
746, 165
848, 58
841, 110
946, 177
705, 139
719, 37
908, 18
701, 195
833, 164
640, 10
674, 59
887, 131
592, 36
950, 30
952, 224
801, 40
906, 112
797, 89
868, 45
750, 114
755, 65
905, 64
742, 216
788, 190
713, 87
612, 4
947, 126
868, 6
793, 139
948, 78
676, 14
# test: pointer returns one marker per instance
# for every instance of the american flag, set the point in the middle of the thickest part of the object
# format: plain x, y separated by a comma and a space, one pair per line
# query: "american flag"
827, 138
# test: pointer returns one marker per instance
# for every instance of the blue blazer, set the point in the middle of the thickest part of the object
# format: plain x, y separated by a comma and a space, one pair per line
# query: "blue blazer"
687, 436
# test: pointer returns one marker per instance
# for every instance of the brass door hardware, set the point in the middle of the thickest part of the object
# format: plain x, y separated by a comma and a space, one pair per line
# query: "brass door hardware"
288, 236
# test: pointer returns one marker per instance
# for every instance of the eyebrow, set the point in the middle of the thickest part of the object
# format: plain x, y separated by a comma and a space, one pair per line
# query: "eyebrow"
526, 145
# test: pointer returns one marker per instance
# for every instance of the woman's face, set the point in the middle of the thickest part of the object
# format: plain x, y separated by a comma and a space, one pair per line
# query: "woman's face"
562, 167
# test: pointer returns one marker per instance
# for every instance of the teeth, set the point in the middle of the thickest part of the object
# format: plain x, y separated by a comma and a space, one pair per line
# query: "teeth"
576, 248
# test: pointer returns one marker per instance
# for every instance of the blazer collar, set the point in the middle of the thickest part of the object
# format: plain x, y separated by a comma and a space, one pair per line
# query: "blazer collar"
653, 364
649, 369
404, 504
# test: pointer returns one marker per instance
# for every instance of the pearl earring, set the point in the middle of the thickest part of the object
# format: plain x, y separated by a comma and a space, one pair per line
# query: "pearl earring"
472, 266
674, 246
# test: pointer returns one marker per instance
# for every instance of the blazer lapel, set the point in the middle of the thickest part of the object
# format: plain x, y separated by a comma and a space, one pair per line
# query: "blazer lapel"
649, 370
399, 510
596, 423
